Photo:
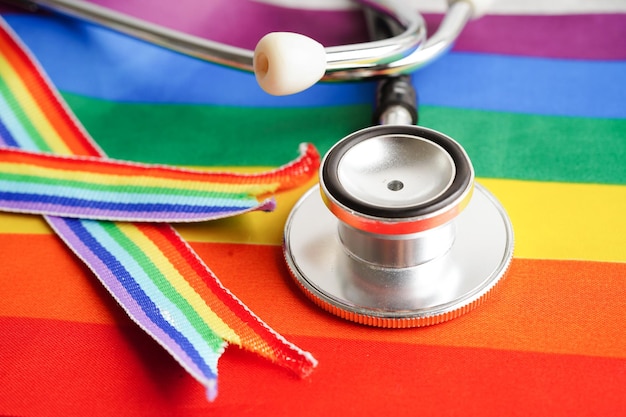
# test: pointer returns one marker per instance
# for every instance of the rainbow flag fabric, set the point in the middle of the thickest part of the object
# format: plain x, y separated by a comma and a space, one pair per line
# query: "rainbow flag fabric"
535, 92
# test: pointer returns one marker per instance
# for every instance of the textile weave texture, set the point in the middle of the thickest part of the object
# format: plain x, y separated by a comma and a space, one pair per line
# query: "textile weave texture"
534, 91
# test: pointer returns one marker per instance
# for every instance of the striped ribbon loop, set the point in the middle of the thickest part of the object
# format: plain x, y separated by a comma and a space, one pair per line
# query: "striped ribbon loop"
147, 267
98, 188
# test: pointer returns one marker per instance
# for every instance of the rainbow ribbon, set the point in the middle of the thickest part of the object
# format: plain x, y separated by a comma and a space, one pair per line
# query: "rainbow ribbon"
147, 267
95, 188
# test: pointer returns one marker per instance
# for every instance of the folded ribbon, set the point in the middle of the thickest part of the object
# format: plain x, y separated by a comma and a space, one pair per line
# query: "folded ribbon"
148, 268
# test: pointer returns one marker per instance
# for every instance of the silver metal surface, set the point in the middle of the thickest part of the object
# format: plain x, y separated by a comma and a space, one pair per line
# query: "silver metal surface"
455, 19
429, 293
403, 53
396, 171
396, 251
396, 115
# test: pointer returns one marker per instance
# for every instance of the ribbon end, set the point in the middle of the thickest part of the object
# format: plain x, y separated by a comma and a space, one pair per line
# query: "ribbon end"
211, 390
268, 205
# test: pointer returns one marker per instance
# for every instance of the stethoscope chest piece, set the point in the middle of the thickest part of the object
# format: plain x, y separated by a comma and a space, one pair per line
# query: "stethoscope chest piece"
397, 234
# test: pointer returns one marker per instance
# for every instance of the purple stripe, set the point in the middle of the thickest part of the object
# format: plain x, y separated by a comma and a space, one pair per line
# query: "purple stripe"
242, 23
140, 216
131, 307
592, 37
160, 209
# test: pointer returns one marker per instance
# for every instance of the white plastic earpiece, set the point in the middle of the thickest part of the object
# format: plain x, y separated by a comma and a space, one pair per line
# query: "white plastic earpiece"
479, 7
287, 63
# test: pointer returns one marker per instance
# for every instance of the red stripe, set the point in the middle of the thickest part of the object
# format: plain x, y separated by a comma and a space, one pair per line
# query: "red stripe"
66, 127
58, 368
291, 175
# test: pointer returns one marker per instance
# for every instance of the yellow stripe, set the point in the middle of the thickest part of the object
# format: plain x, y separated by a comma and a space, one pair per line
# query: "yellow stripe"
11, 223
32, 109
550, 220
565, 220
179, 283
142, 181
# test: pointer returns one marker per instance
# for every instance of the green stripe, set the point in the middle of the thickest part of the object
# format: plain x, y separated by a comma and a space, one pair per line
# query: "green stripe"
501, 145
214, 341
129, 189
24, 120
530, 147
212, 136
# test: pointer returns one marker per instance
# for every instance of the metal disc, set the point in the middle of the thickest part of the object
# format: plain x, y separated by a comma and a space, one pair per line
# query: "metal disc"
395, 171
429, 293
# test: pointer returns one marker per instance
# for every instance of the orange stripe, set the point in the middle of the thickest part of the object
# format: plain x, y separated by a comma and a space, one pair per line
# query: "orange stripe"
543, 305
39, 277
46, 99
547, 306
113, 167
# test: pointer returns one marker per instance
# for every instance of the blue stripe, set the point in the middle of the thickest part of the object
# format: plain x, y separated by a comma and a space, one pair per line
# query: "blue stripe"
541, 86
89, 60
14, 126
74, 203
110, 194
99, 63
6, 137
147, 305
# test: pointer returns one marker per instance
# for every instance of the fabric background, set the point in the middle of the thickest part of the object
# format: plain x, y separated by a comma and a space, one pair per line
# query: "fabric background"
535, 93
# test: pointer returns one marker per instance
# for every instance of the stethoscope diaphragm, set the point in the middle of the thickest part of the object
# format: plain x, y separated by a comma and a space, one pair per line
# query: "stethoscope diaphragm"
397, 234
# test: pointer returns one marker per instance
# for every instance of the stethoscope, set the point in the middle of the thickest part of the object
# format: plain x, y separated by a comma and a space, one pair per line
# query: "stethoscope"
397, 233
